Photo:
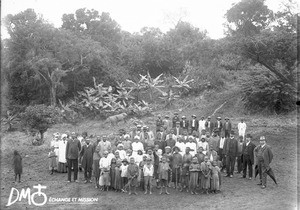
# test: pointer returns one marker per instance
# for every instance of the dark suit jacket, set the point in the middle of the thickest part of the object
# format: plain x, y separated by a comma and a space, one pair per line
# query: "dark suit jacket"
180, 131
230, 147
186, 124
221, 125
196, 124
211, 126
250, 148
229, 126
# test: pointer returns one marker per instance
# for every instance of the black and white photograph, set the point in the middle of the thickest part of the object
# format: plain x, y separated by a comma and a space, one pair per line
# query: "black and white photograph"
150, 104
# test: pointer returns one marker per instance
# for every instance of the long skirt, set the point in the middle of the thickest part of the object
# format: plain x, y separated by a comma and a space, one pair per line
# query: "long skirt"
112, 177
104, 179
96, 169
62, 167
215, 184
118, 184
141, 179
205, 182
193, 179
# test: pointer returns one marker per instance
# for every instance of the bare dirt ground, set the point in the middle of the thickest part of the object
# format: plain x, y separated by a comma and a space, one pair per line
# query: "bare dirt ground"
236, 193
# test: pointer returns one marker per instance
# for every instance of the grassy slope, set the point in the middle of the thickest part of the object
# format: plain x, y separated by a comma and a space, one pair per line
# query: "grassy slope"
236, 193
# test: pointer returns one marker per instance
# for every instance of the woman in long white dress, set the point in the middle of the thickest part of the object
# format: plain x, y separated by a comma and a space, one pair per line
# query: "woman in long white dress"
62, 162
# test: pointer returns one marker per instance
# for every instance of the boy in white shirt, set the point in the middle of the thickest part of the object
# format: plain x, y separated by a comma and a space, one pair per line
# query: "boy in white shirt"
124, 178
148, 174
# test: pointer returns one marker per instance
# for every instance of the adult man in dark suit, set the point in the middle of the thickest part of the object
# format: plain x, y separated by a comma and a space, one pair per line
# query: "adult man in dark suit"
72, 153
175, 119
177, 129
248, 156
230, 151
218, 125
184, 123
227, 127
209, 125
264, 157
193, 124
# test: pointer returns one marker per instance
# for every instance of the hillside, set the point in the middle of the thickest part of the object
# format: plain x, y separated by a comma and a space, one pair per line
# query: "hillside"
280, 131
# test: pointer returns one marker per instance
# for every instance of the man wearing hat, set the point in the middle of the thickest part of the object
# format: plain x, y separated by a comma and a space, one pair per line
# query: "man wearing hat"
184, 123
62, 162
176, 165
230, 151
248, 156
218, 125
177, 129
72, 153
264, 157
159, 123
104, 145
194, 124
209, 126
227, 127
170, 141
175, 119
201, 126
86, 154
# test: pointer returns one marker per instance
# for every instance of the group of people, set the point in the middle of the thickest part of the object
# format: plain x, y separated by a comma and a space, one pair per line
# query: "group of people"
190, 155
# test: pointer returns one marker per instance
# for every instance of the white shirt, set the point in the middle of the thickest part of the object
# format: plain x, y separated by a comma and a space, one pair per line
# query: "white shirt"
122, 154
222, 140
137, 158
148, 170
242, 126
110, 156
137, 146
123, 170
104, 163
201, 125
62, 151
247, 143
204, 145
181, 146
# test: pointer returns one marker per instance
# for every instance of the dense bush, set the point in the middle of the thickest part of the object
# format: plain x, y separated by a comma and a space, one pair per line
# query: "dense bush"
262, 91
37, 119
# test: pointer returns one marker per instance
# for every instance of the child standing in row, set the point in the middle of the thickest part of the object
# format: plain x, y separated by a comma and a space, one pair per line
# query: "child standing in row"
215, 177
132, 173
163, 171
194, 174
124, 178
53, 164
205, 175
148, 170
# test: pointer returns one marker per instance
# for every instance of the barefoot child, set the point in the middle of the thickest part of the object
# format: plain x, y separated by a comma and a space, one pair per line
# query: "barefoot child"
194, 174
104, 165
17, 162
132, 173
206, 174
163, 171
117, 183
52, 156
148, 170
124, 178
215, 177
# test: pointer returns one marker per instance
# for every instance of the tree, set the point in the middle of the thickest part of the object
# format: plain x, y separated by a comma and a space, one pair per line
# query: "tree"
255, 33
39, 118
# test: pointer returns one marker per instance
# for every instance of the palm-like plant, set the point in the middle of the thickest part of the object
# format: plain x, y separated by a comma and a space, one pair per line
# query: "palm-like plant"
153, 84
137, 86
183, 85
10, 120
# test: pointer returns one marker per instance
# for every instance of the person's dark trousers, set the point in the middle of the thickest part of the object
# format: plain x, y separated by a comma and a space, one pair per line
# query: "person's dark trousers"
247, 163
222, 159
87, 173
230, 162
239, 164
74, 163
227, 133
